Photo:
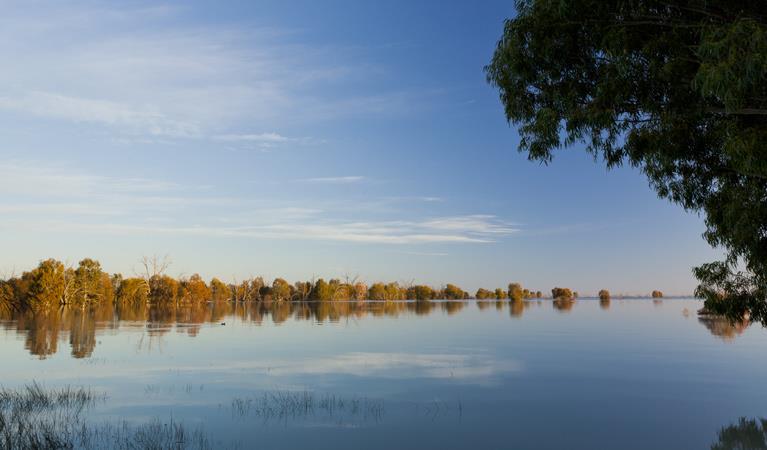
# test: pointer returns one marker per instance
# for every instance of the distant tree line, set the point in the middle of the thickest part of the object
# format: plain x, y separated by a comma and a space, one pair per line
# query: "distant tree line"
515, 292
53, 284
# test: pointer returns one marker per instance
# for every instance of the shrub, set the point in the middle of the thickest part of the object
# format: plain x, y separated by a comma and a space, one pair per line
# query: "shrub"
558, 292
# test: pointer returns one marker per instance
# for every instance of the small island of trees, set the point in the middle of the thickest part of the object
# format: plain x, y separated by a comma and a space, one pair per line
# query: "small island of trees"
515, 293
562, 293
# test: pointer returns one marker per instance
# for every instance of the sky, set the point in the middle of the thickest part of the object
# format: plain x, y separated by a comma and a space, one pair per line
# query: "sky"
305, 139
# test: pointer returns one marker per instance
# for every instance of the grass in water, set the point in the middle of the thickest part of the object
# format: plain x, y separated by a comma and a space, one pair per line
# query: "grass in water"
283, 405
35, 417
38, 418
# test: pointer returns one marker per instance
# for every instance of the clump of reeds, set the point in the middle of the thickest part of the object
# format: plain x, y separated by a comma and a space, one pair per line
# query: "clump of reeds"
301, 404
34, 398
154, 434
35, 417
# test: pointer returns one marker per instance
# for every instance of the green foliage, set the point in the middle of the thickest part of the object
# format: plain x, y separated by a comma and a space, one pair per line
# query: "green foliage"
322, 291
47, 285
453, 292
377, 292
360, 291
341, 291
302, 290
604, 294
163, 289
88, 282
747, 434
281, 289
483, 294
516, 293
562, 293
395, 292
133, 291
718, 279
677, 89
52, 284
6, 297
265, 292
421, 292
220, 292
194, 290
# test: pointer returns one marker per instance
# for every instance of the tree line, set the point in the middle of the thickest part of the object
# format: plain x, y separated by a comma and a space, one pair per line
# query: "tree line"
52, 283
515, 292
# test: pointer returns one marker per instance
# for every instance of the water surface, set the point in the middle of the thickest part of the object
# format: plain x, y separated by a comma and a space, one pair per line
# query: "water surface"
629, 374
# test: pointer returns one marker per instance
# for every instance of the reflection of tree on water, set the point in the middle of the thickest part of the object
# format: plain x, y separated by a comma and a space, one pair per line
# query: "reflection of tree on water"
604, 303
723, 327
517, 308
42, 333
483, 304
82, 332
563, 304
42, 330
746, 434
452, 307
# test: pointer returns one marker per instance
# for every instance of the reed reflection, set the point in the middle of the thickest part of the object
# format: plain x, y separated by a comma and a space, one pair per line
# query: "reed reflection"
746, 434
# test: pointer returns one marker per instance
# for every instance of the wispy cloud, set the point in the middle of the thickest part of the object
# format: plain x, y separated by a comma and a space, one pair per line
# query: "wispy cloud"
33, 178
478, 367
84, 201
477, 223
266, 140
425, 253
334, 180
34, 188
137, 71
338, 231
260, 137
78, 109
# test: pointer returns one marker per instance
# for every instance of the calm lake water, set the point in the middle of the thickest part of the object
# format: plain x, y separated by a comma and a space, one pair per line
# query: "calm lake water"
631, 374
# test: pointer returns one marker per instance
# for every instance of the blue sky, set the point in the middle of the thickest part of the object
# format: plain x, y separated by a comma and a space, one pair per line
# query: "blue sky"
302, 139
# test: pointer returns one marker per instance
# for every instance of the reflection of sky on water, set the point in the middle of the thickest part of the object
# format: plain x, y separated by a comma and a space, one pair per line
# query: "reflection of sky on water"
459, 367
628, 374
